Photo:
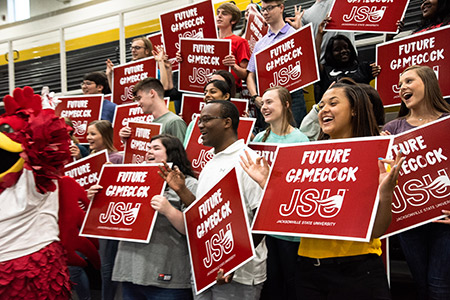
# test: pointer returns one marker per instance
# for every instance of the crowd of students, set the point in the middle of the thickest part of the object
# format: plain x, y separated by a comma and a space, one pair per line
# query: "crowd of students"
347, 107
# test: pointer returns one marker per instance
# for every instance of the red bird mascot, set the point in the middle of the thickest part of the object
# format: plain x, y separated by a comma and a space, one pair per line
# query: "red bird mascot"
40, 214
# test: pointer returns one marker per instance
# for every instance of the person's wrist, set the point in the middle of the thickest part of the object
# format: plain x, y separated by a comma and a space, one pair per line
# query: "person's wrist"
253, 98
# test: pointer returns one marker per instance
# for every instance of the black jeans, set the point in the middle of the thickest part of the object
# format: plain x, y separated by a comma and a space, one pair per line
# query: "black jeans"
351, 277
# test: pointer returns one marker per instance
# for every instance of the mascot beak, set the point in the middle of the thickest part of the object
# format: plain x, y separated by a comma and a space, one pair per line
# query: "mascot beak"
10, 153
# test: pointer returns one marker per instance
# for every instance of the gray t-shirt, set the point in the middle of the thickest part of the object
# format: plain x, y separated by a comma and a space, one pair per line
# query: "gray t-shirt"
164, 261
172, 124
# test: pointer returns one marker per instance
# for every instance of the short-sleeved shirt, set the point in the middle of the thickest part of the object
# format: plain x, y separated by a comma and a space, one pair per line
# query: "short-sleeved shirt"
166, 253
267, 40
401, 125
172, 124
241, 51
108, 110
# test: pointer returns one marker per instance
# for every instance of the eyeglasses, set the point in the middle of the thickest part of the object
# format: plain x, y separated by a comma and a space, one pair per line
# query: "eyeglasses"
86, 83
137, 48
206, 119
269, 8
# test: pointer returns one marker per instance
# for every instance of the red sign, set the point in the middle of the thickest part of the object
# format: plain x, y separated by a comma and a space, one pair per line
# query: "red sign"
367, 15
157, 40
199, 155
428, 49
85, 171
124, 114
81, 110
217, 232
192, 105
423, 188
121, 210
255, 29
107, 97
126, 76
266, 150
201, 58
192, 21
291, 62
323, 190
138, 143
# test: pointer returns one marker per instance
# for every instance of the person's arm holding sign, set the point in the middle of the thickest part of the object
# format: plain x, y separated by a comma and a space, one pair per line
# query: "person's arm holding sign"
388, 181
319, 38
165, 67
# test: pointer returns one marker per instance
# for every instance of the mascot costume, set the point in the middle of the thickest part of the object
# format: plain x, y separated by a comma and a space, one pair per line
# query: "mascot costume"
40, 212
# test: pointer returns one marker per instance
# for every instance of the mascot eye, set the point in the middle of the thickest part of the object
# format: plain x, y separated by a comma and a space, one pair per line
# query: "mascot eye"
6, 128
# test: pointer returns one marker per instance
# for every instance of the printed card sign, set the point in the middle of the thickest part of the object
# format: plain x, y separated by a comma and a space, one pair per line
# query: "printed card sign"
138, 143
195, 21
217, 232
81, 110
124, 114
323, 190
199, 155
423, 188
367, 15
256, 28
429, 48
126, 76
86, 170
266, 150
291, 62
192, 105
201, 58
157, 40
121, 210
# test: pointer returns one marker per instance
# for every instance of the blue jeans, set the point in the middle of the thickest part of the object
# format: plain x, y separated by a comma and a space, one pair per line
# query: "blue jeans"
427, 251
80, 282
108, 250
298, 107
133, 291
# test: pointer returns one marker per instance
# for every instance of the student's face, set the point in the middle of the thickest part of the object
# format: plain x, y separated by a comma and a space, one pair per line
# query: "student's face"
145, 100
157, 152
211, 125
271, 109
90, 87
429, 8
95, 139
335, 114
138, 50
272, 12
341, 51
213, 93
412, 89
223, 19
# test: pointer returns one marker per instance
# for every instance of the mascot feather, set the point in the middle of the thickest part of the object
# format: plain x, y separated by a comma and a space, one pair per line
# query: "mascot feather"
40, 212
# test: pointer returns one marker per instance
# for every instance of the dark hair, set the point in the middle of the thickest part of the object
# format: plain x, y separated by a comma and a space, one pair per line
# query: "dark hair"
363, 120
277, 1
221, 85
329, 59
432, 92
100, 79
286, 102
377, 104
105, 129
148, 84
147, 43
228, 110
442, 16
69, 123
175, 152
229, 78
233, 10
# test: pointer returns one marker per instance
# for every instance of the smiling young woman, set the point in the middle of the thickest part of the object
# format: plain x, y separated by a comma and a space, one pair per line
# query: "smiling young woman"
425, 247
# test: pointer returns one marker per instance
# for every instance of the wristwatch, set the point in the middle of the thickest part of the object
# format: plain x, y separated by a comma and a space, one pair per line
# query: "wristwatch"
253, 98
